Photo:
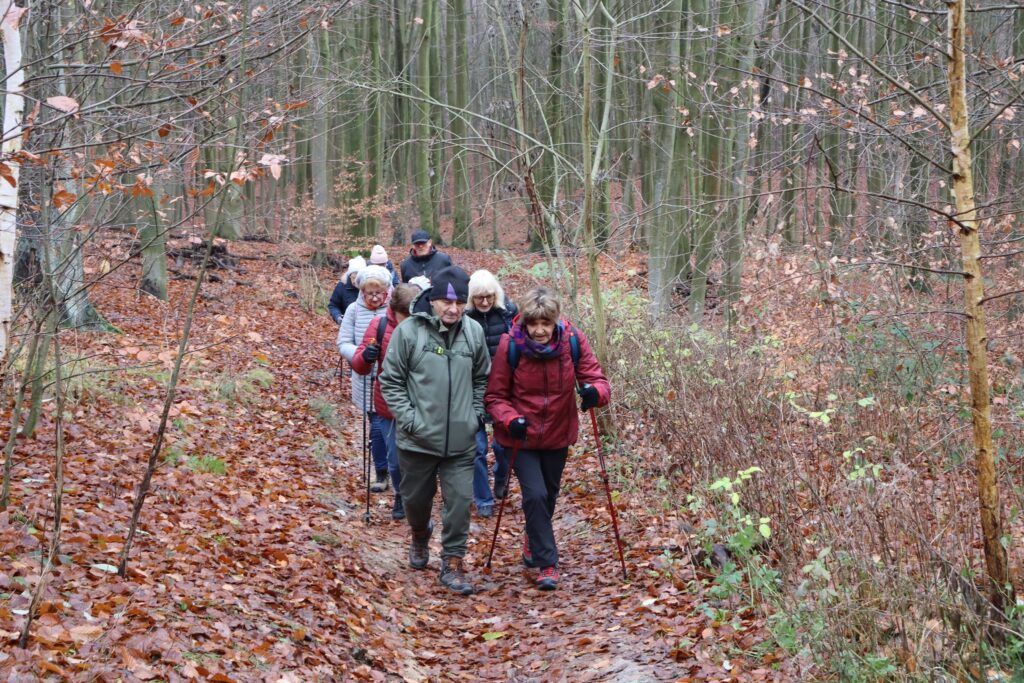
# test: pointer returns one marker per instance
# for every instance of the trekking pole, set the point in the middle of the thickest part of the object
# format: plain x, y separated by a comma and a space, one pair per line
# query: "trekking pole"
366, 461
501, 507
608, 492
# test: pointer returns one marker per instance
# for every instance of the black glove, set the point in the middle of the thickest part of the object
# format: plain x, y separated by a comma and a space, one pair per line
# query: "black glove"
371, 353
588, 397
517, 428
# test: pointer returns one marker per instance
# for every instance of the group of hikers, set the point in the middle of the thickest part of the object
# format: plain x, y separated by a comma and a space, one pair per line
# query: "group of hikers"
439, 355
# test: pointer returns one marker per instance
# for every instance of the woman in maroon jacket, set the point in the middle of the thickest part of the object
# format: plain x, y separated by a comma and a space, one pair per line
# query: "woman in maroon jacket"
534, 404
372, 351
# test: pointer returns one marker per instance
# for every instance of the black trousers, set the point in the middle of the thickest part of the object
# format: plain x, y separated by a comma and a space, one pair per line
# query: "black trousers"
540, 477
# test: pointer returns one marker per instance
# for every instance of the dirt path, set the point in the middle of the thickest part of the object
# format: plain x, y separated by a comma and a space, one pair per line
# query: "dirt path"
253, 562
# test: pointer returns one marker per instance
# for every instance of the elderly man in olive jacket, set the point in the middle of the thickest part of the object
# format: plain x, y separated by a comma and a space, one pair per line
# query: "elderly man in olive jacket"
433, 380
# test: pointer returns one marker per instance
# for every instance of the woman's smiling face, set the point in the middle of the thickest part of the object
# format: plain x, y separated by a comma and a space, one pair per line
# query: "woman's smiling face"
541, 330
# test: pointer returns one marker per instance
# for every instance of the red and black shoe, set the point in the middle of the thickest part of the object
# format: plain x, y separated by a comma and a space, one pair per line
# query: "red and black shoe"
527, 555
547, 580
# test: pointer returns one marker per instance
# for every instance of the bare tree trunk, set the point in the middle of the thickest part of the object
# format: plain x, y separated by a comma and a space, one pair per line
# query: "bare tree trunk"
14, 108
1000, 588
589, 165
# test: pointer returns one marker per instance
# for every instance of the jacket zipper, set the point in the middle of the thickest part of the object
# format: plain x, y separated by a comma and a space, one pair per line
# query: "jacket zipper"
448, 419
544, 422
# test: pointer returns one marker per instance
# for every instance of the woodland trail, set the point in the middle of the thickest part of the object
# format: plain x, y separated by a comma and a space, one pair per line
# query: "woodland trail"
263, 569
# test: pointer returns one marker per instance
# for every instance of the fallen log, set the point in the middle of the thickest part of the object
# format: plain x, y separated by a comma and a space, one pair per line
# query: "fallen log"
194, 248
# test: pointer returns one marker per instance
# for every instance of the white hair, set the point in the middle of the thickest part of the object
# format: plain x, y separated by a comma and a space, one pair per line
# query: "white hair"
483, 282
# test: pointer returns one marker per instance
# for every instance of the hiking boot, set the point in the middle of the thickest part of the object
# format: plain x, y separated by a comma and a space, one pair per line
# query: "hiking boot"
398, 509
453, 576
547, 580
527, 555
380, 484
501, 489
485, 510
419, 549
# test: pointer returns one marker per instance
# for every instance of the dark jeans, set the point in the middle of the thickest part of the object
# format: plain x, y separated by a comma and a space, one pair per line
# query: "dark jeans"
481, 489
540, 477
386, 428
378, 444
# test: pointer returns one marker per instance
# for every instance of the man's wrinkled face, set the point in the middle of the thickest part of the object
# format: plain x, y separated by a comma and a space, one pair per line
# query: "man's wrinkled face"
448, 311
422, 248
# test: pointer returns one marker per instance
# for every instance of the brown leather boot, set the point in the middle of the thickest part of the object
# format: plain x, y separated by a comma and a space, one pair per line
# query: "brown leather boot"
453, 576
419, 549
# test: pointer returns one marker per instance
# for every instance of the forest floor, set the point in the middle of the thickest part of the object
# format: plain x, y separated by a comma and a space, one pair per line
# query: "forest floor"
253, 561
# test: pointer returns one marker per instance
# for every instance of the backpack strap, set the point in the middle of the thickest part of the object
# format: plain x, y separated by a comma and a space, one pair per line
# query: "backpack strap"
574, 349
513, 354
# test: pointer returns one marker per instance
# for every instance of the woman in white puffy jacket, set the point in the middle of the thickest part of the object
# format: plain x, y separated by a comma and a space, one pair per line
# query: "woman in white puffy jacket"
374, 291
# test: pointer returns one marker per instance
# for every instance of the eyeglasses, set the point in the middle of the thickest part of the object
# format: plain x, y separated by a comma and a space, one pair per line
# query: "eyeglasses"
374, 295
483, 297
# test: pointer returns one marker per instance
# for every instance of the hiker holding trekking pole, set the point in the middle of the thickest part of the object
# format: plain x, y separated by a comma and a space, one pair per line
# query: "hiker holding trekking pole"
374, 291
531, 395
371, 352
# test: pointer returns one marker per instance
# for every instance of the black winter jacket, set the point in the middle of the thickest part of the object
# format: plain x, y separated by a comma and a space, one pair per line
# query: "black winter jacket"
414, 265
496, 322
344, 295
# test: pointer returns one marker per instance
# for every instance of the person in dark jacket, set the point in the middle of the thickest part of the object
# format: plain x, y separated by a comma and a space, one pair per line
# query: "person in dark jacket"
534, 405
346, 292
379, 257
487, 305
372, 351
424, 258
433, 381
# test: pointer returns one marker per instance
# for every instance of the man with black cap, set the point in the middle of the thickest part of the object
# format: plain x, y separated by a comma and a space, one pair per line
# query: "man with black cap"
424, 258
433, 381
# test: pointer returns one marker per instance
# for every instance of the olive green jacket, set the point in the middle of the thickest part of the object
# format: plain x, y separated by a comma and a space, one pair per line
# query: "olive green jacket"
433, 381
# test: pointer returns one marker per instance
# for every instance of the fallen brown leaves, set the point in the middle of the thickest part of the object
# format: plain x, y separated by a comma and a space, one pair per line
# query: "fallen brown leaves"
265, 571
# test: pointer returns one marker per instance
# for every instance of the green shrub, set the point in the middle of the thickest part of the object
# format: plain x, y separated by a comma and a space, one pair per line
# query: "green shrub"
206, 464
324, 410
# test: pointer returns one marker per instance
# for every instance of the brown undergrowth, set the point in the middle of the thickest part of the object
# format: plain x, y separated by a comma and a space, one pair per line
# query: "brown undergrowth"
826, 444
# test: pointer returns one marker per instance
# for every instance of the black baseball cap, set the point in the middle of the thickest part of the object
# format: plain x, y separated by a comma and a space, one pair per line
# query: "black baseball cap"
420, 236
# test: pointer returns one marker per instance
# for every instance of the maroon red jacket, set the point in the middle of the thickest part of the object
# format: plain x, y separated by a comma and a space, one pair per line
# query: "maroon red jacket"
363, 367
543, 391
